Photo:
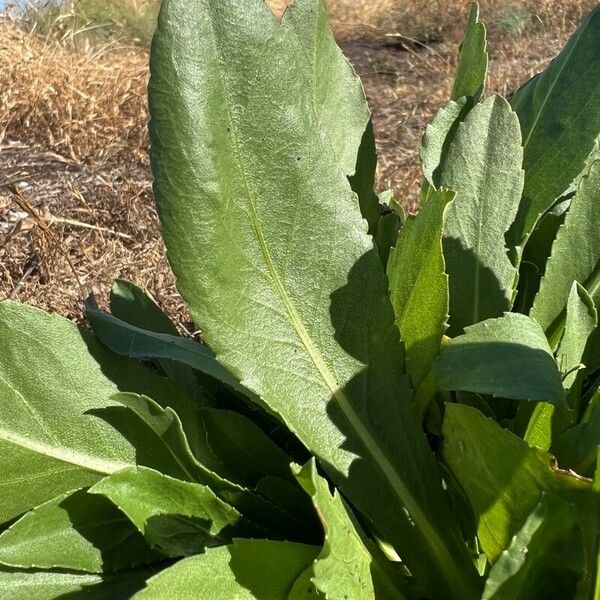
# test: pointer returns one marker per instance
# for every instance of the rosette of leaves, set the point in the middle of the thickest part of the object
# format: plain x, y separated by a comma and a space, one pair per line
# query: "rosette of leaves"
382, 406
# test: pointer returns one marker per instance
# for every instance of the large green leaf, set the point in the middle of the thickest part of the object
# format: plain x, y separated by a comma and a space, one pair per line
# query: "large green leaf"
559, 111
472, 67
52, 375
51, 585
545, 558
575, 257
245, 570
483, 166
507, 357
419, 285
272, 256
504, 479
76, 531
176, 517
344, 568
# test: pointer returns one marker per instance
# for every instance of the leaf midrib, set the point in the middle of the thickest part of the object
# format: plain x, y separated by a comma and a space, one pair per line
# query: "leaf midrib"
406, 498
85, 461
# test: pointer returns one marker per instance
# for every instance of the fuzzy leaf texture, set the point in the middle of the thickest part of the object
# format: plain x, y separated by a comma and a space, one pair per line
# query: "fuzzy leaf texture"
272, 255
575, 257
505, 478
483, 167
507, 357
419, 285
50, 443
559, 112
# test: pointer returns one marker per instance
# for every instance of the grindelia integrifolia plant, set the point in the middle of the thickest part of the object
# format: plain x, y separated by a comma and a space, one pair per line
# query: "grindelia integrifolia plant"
386, 407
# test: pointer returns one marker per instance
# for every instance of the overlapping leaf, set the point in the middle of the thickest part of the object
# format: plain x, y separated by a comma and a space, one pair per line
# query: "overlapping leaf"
559, 112
512, 358
272, 256
575, 257
419, 285
483, 167
52, 375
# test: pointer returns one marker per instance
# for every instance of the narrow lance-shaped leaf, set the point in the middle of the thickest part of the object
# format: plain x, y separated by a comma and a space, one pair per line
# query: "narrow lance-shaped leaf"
559, 111
548, 421
473, 60
419, 285
245, 570
272, 255
577, 448
545, 558
131, 304
575, 257
76, 531
52, 375
483, 166
165, 448
513, 361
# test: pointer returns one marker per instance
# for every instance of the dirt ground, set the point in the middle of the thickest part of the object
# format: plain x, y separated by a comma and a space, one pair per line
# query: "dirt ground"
83, 214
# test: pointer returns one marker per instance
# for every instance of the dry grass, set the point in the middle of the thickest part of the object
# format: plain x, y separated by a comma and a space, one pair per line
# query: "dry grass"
73, 134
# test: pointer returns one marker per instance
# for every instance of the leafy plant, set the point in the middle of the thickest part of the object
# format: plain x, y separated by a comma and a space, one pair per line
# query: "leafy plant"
385, 406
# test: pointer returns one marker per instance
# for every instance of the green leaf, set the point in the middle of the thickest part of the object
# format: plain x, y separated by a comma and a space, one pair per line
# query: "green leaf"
575, 257
329, 82
158, 437
245, 570
483, 166
504, 478
237, 449
176, 517
581, 320
472, 68
438, 137
560, 121
419, 286
165, 448
131, 304
545, 558
133, 342
512, 358
52, 375
75, 531
291, 295
344, 568
536, 253
48, 585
